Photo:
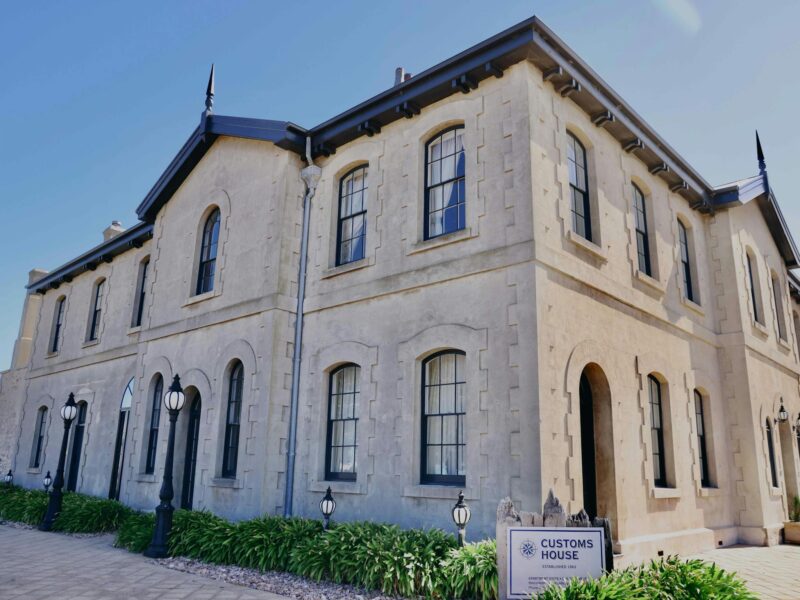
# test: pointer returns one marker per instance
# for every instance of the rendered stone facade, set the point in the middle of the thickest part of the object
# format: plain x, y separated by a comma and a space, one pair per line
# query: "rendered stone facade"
532, 306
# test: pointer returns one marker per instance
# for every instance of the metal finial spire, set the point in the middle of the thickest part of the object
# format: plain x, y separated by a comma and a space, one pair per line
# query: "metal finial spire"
210, 90
762, 165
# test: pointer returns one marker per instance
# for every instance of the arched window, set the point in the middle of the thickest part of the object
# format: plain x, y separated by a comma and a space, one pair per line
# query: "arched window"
141, 290
657, 432
579, 187
777, 292
58, 325
97, 309
38, 438
773, 469
445, 195
208, 254
230, 452
702, 447
443, 410
687, 261
755, 290
155, 417
115, 486
343, 392
642, 235
352, 226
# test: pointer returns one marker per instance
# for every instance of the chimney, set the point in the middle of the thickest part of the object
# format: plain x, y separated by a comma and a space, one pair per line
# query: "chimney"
399, 75
112, 230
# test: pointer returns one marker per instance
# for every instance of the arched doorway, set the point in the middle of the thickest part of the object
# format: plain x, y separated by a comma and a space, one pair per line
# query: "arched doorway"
190, 459
77, 445
115, 485
597, 445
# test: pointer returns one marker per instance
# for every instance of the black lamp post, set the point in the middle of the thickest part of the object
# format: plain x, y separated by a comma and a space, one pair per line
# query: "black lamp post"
173, 400
47, 481
9, 478
327, 505
68, 413
461, 515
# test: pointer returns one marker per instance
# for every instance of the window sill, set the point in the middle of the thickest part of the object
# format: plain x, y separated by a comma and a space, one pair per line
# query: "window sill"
775, 492
590, 247
225, 482
337, 487
709, 492
442, 240
346, 268
652, 282
661, 493
90, 343
34, 470
200, 298
694, 306
444, 492
760, 330
51, 354
147, 478
784, 344
134, 330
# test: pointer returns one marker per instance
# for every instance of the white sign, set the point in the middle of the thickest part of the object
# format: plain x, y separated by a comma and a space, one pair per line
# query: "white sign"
539, 556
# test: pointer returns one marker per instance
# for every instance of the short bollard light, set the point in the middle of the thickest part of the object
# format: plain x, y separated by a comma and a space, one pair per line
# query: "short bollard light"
9, 478
783, 415
68, 413
174, 400
461, 515
47, 481
327, 505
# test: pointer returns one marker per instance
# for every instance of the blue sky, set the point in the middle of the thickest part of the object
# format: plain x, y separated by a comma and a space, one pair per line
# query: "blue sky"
97, 97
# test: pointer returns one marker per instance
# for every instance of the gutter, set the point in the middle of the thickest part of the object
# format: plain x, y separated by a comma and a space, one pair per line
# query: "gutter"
310, 176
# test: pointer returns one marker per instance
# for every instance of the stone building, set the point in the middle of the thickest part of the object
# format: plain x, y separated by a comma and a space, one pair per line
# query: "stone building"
513, 284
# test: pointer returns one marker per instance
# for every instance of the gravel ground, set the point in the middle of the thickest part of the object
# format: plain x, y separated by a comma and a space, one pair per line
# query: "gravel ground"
284, 584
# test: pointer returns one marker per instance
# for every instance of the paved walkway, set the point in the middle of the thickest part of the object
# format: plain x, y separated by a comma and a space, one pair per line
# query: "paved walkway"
38, 566
773, 573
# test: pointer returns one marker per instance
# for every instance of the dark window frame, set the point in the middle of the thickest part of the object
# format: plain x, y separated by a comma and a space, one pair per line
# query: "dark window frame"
436, 479
686, 262
702, 442
773, 467
209, 245
141, 294
657, 432
38, 446
579, 198
352, 216
458, 181
780, 316
230, 453
758, 317
155, 419
642, 231
58, 324
97, 311
341, 475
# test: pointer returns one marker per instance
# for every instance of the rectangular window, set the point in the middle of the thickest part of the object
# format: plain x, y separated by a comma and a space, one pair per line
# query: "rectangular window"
657, 433
579, 188
443, 411
700, 422
642, 237
780, 318
773, 469
140, 295
58, 324
230, 456
686, 262
754, 291
38, 438
97, 307
352, 228
343, 423
445, 196
155, 418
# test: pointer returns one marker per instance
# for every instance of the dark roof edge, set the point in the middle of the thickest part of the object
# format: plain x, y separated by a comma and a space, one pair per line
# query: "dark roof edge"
134, 237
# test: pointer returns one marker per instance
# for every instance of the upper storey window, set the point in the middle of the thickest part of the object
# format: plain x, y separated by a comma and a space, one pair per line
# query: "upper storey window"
687, 266
755, 289
141, 291
777, 292
352, 227
208, 254
58, 325
579, 187
445, 196
642, 234
97, 309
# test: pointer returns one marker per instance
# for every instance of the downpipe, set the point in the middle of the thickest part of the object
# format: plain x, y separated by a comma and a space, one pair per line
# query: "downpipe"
310, 176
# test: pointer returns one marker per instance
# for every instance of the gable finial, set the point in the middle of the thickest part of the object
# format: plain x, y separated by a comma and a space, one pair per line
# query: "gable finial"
762, 165
210, 91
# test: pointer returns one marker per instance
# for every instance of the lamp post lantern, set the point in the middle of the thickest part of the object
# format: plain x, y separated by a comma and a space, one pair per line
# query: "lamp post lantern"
783, 416
173, 400
68, 413
9, 478
461, 515
47, 481
327, 505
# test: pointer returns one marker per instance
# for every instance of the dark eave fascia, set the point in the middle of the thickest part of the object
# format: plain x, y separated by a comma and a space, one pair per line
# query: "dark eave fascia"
134, 237
283, 134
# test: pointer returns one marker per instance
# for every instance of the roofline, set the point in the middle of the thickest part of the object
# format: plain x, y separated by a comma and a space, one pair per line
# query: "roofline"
134, 237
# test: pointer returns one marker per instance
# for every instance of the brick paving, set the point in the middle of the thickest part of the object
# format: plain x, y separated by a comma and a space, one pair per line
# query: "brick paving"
36, 566
773, 573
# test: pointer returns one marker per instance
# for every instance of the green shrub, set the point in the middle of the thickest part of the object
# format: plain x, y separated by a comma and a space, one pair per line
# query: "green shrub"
22, 505
201, 535
794, 510
135, 531
665, 579
471, 571
85, 514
